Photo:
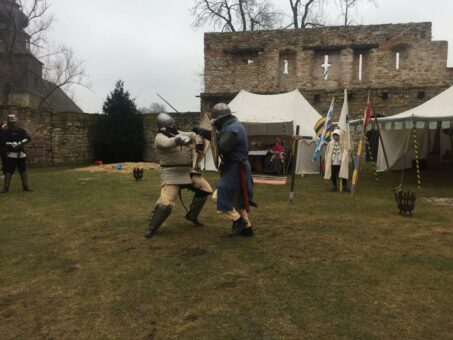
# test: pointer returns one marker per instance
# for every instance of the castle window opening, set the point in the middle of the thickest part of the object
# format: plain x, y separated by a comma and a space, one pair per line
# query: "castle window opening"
326, 66
287, 62
360, 66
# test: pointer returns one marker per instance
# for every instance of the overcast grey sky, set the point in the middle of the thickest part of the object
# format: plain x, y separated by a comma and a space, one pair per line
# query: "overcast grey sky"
151, 45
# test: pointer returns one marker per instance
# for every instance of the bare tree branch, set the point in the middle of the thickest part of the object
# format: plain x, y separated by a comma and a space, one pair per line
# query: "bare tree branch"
28, 22
346, 6
308, 13
235, 15
63, 70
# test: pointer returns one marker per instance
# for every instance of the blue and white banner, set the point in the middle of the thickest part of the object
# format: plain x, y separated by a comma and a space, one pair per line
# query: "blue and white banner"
322, 138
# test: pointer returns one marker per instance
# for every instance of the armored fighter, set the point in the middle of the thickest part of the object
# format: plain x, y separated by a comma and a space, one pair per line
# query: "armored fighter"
14, 140
234, 194
174, 149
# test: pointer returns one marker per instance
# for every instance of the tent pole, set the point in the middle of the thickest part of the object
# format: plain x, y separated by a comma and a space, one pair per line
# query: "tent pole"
293, 170
385, 152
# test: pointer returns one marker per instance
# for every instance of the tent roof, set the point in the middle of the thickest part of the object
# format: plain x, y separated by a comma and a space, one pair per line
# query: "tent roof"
438, 108
276, 108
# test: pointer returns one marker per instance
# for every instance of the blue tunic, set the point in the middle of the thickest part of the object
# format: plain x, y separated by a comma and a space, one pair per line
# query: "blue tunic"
229, 193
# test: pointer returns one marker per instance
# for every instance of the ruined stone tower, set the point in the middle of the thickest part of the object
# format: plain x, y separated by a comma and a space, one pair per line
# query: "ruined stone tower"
21, 73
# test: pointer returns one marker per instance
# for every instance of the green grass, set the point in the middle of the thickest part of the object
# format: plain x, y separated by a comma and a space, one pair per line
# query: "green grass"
74, 263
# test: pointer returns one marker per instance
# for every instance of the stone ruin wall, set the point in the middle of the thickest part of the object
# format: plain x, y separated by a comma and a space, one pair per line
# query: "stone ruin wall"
66, 139
58, 139
255, 61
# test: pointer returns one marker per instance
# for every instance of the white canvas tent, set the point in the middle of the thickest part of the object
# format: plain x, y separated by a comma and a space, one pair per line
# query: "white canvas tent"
278, 115
397, 131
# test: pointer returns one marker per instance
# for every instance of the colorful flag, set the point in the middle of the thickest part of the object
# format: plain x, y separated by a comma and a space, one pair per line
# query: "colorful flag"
358, 157
343, 123
325, 131
319, 126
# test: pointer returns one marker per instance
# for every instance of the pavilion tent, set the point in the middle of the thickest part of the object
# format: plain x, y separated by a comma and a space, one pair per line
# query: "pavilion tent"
433, 120
278, 115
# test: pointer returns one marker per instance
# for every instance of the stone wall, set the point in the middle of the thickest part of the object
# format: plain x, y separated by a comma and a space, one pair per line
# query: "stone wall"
276, 61
66, 139
57, 138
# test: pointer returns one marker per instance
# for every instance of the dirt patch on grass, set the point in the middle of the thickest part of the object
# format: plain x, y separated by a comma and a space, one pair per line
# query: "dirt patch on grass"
119, 168
445, 201
188, 252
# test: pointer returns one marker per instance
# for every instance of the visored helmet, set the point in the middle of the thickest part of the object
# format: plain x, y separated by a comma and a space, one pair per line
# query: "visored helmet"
164, 120
220, 110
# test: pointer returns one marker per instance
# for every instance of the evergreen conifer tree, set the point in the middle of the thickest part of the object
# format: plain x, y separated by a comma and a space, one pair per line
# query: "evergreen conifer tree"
120, 132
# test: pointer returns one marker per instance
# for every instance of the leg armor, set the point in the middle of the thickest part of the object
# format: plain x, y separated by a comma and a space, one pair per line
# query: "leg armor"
196, 206
202, 190
24, 179
6, 182
160, 214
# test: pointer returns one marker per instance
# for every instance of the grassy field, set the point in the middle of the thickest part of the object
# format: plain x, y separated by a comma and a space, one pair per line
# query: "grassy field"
74, 264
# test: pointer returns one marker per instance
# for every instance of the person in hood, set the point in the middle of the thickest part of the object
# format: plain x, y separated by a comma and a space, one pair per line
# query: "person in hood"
337, 162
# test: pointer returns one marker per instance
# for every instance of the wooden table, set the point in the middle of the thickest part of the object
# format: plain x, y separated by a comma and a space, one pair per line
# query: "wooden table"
256, 159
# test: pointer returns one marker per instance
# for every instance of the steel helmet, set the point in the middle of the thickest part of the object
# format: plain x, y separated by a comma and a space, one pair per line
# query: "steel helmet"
164, 120
220, 110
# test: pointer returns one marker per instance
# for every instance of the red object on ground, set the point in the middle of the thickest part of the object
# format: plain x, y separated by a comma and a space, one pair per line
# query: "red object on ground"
98, 162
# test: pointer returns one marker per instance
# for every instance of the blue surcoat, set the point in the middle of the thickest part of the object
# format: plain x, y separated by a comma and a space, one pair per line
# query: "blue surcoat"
229, 192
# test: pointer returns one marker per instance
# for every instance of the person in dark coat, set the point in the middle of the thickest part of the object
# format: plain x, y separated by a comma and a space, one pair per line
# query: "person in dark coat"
14, 140
3, 148
234, 194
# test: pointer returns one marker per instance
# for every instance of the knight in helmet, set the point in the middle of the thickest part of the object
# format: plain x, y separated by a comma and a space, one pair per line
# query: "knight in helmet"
14, 140
174, 149
234, 194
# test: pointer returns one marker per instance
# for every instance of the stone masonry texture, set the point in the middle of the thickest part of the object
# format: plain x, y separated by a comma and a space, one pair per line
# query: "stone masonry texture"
66, 139
255, 61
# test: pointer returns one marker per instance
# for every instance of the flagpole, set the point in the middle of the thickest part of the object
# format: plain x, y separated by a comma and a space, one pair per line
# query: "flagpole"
293, 170
358, 160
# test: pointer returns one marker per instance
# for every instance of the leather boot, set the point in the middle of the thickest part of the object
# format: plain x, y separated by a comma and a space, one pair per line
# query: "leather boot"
238, 226
345, 185
195, 208
160, 214
247, 232
24, 179
6, 183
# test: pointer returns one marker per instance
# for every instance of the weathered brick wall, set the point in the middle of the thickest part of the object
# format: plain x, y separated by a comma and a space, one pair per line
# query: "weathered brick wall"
60, 139
72, 138
57, 138
255, 61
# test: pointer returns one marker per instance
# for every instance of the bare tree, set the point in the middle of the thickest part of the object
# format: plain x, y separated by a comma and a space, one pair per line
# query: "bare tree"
347, 6
62, 70
26, 24
154, 108
235, 15
307, 13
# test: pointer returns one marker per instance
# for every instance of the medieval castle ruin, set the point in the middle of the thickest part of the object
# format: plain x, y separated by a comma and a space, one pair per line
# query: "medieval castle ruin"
399, 64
